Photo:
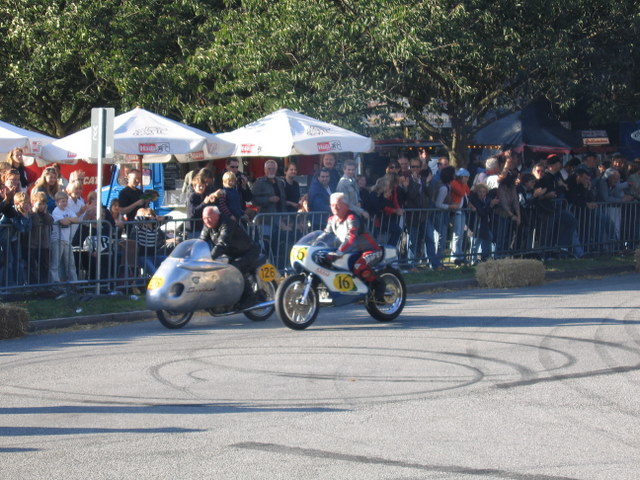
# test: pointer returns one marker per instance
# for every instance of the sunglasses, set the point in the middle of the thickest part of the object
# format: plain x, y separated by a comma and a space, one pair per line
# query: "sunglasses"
415, 166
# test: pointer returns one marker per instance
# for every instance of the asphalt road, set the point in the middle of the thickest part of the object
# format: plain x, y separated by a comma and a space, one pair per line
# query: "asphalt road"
536, 383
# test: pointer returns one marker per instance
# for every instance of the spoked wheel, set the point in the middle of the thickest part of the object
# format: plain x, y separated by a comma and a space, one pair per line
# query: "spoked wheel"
266, 291
289, 305
394, 298
173, 319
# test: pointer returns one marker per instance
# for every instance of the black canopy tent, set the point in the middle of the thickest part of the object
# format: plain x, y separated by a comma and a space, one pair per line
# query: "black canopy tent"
534, 128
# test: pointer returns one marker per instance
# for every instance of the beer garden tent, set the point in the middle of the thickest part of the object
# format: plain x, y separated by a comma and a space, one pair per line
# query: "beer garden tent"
533, 127
142, 135
13, 137
285, 132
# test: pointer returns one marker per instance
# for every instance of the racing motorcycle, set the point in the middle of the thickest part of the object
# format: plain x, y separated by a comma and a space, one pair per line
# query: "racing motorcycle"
320, 282
189, 280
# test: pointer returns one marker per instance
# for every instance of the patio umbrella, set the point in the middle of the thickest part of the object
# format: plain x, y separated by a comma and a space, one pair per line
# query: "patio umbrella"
285, 132
12, 137
140, 134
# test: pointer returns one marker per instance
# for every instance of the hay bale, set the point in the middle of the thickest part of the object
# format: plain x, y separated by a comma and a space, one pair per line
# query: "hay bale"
636, 258
13, 321
508, 273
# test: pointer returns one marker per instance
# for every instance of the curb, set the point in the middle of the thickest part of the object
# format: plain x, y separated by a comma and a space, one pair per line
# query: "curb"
140, 315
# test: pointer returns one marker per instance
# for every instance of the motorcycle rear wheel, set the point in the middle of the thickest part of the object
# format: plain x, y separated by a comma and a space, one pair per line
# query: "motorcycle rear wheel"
173, 320
395, 299
290, 310
268, 290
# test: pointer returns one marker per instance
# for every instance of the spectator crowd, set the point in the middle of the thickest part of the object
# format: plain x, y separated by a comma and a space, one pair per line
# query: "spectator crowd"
437, 218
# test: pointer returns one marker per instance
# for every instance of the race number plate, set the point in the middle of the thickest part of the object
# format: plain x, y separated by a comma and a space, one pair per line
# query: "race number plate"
344, 282
298, 253
267, 272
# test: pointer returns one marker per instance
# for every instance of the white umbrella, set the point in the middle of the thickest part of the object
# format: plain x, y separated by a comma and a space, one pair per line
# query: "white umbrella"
285, 132
13, 137
140, 132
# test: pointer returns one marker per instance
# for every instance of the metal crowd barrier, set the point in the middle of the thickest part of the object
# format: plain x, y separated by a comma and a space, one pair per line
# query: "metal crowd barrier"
27, 265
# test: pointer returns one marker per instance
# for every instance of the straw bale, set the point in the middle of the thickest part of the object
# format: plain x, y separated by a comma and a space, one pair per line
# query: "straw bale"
13, 321
508, 273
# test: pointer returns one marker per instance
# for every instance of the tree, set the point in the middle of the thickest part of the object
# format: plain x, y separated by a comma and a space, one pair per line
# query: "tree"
63, 58
431, 60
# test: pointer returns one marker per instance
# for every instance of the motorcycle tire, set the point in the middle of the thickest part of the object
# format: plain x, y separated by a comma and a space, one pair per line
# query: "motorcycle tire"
173, 320
288, 307
394, 301
268, 290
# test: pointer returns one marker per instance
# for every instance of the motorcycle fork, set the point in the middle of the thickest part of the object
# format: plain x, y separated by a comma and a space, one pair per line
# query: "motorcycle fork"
307, 287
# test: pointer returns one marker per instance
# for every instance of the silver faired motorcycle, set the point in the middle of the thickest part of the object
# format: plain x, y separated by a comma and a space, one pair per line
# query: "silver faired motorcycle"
318, 282
189, 280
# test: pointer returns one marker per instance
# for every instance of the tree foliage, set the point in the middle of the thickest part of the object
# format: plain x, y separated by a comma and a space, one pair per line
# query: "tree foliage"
221, 64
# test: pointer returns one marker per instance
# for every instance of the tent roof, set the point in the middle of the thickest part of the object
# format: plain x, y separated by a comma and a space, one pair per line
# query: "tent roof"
533, 127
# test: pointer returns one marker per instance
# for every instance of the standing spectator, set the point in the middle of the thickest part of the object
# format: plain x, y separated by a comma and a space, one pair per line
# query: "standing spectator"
611, 192
388, 220
328, 161
349, 187
507, 215
490, 174
419, 222
131, 198
558, 219
459, 193
61, 254
76, 204
13, 238
445, 206
242, 182
10, 186
269, 197
62, 181
40, 239
197, 201
291, 188
150, 239
268, 191
596, 229
229, 200
114, 210
16, 162
48, 183
443, 162
319, 193
367, 198
481, 214
403, 163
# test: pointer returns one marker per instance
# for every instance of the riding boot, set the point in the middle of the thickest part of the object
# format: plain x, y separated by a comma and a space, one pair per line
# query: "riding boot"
248, 298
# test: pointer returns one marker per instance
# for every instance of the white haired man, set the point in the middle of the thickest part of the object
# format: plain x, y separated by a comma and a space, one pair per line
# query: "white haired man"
364, 252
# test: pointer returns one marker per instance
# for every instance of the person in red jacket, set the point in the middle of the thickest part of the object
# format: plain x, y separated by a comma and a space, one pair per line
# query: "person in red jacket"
355, 241
459, 193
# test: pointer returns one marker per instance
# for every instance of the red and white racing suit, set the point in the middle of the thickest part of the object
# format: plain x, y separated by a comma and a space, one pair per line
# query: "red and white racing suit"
356, 240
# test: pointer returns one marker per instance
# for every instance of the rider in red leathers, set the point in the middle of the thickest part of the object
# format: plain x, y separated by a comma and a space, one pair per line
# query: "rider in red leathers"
355, 241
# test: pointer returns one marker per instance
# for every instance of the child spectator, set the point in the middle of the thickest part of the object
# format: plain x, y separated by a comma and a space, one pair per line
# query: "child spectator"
118, 219
61, 253
77, 206
41, 222
230, 203
12, 242
149, 238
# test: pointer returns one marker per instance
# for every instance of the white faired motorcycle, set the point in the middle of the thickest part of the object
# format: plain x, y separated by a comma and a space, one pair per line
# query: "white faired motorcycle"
319, 282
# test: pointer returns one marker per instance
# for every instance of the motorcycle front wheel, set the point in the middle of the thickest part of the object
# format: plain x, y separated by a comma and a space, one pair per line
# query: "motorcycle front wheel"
173, 320
394, 299
289, 306
267, 292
